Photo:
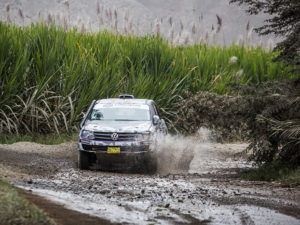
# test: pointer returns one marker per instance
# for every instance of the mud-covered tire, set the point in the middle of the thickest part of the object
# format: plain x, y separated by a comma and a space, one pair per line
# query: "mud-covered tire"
150, 164
83, 160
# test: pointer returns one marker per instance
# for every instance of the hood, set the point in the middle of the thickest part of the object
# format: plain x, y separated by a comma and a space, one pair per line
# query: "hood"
118, 126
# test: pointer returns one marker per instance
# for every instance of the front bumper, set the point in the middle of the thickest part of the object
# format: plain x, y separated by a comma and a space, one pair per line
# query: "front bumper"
125, 147
131, 153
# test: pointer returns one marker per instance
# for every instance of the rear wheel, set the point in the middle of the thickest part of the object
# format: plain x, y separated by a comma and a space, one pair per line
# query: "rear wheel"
83, 160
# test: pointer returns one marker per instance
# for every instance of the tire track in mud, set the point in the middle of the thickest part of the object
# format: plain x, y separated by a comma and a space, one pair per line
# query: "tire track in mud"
38, 160
284, 207
244, 217
33, 163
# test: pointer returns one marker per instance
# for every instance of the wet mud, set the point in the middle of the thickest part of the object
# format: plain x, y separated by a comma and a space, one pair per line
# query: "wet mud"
61, 215
196, 183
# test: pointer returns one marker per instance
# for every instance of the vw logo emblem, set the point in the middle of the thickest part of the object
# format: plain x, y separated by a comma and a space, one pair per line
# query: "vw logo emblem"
114, 136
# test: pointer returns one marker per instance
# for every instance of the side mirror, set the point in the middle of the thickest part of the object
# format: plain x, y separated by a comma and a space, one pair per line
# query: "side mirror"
156, 119
87, 113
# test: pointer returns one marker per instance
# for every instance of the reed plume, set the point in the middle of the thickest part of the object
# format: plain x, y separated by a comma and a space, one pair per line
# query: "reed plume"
157, 26
170, 20
171, 34
194, 30
219, 23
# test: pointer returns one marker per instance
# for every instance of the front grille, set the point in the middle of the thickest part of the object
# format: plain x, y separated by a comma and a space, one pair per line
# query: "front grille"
106, 136
94, 147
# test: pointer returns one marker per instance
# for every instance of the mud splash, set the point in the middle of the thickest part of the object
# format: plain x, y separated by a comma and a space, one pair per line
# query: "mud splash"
177, 154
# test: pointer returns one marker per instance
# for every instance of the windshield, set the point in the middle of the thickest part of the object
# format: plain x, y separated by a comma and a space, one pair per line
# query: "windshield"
119, 113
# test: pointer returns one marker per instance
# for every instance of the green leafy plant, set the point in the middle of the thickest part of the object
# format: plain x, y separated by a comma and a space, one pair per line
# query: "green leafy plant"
49, 76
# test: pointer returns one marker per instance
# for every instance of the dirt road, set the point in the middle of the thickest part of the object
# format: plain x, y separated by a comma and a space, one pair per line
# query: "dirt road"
194, 185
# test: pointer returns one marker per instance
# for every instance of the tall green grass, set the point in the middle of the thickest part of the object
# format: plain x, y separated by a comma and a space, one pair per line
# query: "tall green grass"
49, 76
15, 209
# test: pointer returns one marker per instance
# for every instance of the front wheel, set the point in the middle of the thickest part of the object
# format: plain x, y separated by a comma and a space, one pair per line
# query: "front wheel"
83, 160
150, 163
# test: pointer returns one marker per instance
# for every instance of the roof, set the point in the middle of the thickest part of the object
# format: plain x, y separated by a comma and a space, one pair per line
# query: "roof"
135, 101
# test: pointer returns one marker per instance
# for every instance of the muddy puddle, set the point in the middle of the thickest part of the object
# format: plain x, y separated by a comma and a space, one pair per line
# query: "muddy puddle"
196, 183
172, 199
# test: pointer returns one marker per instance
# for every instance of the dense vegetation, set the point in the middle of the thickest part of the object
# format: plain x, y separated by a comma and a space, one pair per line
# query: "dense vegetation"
284, 21
277, 141
268, 116
49, 76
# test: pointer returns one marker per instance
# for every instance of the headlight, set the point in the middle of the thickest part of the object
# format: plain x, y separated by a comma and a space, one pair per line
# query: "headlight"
143, 137
87, 134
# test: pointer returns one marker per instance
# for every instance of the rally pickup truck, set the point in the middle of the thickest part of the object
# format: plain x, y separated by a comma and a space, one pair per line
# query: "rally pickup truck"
119, 134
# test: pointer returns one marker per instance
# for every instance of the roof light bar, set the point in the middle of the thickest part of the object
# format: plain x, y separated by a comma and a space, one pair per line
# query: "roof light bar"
126, 96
